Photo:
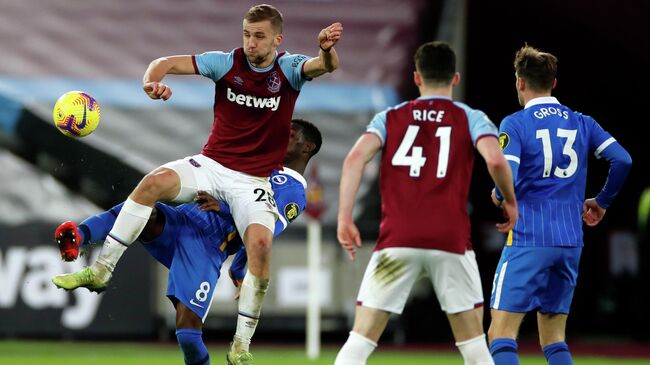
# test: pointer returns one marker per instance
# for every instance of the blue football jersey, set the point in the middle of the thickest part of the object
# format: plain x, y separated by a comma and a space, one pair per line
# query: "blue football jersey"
551, 144
289, 193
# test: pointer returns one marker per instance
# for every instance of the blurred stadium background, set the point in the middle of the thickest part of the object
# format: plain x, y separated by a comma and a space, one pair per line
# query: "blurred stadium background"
103, 48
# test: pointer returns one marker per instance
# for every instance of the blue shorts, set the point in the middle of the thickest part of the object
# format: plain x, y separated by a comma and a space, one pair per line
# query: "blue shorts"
535, 278
193, 257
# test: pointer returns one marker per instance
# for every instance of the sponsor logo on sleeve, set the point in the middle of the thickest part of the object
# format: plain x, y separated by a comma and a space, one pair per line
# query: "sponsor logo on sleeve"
291, 211
504, 139
297, 60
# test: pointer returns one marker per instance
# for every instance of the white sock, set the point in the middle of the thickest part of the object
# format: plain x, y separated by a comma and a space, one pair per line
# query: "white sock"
475, 351
251, 297
128, 226
355, 351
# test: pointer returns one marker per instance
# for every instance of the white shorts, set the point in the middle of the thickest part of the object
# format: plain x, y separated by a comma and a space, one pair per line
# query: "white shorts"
250, 197
392, 271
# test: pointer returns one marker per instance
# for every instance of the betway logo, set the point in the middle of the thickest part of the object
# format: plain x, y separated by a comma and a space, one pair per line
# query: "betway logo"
26, 273
253, 101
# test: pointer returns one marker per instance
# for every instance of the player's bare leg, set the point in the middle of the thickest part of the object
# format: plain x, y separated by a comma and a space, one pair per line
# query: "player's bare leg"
467, 328
257, 239
552, 337
369, 324
502, 336
160, 184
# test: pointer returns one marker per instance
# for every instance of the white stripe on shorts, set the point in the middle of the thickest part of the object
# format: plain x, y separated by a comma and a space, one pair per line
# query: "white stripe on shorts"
497, 295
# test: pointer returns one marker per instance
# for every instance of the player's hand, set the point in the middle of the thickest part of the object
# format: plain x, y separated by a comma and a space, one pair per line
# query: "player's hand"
511, 214
496, 201
328, 37
207, 202
157, 90
349, 237
592, 213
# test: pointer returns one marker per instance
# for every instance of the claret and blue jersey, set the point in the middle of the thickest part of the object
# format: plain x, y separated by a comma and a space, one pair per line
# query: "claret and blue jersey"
548, 145
426, 166
253, 108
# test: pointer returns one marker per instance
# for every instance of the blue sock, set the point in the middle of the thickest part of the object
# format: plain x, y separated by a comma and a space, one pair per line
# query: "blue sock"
558, 354
95, 229
191, 343
504, 351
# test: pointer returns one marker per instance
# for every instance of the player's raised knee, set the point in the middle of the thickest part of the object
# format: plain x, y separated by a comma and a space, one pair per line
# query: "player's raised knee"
160, 184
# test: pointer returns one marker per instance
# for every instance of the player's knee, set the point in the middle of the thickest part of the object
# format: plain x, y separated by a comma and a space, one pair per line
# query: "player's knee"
186, 319
159, 184
259, 243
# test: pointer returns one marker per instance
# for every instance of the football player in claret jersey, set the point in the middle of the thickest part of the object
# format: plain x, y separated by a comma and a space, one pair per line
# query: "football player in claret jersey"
256, 88
192, 241
547, 145
427, 154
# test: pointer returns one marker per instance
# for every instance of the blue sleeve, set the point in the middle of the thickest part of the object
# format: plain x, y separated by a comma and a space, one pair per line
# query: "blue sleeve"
510, 141
291, 202
214, 65
95, 229
377, 126
620, 163
599, 139
479, 123
292, 67
224, 209
238, 266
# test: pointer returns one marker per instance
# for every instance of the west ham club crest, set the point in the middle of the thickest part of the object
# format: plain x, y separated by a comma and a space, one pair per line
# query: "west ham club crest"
273, 82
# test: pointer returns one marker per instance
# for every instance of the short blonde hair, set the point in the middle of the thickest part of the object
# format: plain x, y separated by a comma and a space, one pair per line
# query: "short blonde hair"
262, 12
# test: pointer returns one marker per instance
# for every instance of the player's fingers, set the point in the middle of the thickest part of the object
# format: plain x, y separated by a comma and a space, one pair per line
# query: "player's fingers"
167, 94
351, 254
504, 227
357, 239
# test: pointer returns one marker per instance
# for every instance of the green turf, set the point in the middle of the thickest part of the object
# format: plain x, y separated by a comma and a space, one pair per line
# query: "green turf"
102, 353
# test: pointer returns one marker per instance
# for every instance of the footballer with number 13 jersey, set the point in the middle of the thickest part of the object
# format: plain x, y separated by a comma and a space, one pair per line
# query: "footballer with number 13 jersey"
547, 145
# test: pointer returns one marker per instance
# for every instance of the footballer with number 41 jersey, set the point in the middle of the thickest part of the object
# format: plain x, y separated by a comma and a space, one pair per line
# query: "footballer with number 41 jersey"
426, 170
427, 154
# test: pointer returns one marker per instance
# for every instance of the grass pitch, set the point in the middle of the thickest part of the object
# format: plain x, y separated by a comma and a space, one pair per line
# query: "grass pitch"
107, 353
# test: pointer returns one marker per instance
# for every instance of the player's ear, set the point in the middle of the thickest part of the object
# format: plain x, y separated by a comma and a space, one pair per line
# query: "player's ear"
278, 40
456, 80
308, 147
417, 79
521, 84
554, 84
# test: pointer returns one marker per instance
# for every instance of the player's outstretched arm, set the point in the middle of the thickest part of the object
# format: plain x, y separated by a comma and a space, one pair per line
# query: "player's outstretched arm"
347, 232
151, 81
328, 59
500, 172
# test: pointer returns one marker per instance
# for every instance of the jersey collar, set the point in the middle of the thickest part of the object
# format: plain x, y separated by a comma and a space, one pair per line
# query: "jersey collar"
428, 97
267, 68
541, 100
293, 173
